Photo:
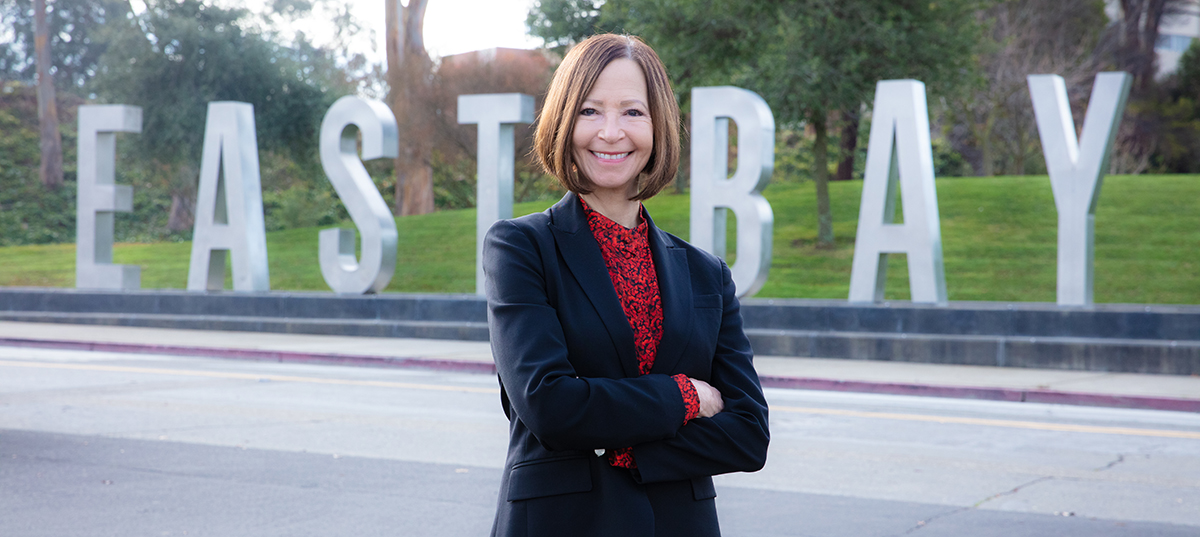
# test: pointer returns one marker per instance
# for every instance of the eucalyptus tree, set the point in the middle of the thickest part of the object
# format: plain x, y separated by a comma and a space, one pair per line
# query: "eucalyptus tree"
409, 75
75, 37
54, 45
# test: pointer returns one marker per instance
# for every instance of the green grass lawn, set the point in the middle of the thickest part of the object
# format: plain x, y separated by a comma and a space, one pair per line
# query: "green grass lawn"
998, 238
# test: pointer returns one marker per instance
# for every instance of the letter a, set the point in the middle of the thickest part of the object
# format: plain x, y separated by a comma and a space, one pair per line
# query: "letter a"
98, 197
899, 151
495, 114
712, 193
1076, 169
229, 215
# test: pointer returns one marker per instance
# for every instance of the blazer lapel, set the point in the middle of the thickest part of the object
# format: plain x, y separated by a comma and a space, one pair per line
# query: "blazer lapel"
579, 250
675, 288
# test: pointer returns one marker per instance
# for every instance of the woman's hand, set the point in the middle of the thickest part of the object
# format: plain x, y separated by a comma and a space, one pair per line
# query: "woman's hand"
711, 402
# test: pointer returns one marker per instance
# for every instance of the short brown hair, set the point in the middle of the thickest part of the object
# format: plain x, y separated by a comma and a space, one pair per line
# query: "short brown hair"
573, 81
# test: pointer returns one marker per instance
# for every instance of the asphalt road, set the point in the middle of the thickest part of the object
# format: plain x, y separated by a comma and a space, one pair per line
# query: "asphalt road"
99, 444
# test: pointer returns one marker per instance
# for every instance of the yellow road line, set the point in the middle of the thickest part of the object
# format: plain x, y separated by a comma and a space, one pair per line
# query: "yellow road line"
1012, 424
248, 376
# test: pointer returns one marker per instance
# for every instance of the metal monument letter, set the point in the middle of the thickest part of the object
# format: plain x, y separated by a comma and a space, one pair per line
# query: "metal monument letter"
496, 115
899, 154
1076, 168
713, 193
343, 272
99, 197
229, 214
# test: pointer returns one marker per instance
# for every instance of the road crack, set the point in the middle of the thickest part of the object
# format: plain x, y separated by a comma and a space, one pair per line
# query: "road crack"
1120, 459
1015, 490
922, 524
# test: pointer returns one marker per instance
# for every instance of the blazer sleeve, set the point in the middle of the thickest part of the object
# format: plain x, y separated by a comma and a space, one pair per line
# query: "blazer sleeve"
735, 440
562, 410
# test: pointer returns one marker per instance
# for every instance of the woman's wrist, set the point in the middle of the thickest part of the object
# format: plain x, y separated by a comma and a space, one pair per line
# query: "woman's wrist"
691, 400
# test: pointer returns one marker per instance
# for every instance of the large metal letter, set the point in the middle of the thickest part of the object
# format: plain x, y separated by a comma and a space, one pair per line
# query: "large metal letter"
229, 215
99, 197
713, 193
339, 156
1077, 169
495, 114
899, 151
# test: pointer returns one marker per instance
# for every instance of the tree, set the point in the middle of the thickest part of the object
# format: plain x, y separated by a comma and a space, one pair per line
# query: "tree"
807, 58
1162, 124
1143, 135
409, 77
51, 170
179, 55
1140, 20
848, 144
1024, 37
501, 70
562, 23
1188, 75
55, 46
76, 32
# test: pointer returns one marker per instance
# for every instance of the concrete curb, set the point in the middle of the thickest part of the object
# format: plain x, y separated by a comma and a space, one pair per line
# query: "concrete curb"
987, 394
413, 362
770, 381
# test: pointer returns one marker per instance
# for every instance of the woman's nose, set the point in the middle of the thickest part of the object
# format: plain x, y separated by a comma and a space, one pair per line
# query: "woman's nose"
611, 130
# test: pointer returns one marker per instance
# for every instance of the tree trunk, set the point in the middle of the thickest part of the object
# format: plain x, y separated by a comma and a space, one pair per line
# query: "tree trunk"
1141, 20
181, 217
409, 69
821, 176
51, 170
1154, 14
1019, 161
848, 145
987, 160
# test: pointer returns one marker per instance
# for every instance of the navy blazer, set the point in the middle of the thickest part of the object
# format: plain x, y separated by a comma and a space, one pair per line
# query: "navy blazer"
570, 385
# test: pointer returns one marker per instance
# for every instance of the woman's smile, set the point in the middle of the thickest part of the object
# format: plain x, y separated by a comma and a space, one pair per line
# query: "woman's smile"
611, 156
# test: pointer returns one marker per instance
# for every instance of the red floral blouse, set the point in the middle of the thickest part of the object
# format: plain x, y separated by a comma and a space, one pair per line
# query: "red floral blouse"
627, 254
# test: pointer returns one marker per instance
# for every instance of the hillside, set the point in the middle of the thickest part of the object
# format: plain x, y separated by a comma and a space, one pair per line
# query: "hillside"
998, 241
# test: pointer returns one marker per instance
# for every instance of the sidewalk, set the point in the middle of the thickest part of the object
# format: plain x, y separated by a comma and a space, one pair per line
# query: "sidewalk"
1163, 392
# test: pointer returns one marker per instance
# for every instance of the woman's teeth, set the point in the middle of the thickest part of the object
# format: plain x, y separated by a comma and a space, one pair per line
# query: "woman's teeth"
611, 156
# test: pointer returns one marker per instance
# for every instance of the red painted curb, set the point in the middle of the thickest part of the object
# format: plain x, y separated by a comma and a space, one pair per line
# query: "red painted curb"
799, 383
988, 394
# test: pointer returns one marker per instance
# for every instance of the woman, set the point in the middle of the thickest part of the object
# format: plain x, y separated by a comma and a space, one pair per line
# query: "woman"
624, 370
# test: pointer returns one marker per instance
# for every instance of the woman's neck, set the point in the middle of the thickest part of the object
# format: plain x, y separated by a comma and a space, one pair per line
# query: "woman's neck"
618, 208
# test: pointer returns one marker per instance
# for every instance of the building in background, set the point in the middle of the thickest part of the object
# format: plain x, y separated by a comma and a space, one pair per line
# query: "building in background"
1175, 35
1176, 32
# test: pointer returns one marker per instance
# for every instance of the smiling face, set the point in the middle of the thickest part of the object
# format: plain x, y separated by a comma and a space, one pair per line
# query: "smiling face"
614, 135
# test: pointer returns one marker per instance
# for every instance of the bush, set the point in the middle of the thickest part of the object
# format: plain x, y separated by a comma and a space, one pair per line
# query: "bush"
29, 213
947, 162
302, 206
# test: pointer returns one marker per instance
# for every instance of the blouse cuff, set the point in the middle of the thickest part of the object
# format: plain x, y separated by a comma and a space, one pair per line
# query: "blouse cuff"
691, 401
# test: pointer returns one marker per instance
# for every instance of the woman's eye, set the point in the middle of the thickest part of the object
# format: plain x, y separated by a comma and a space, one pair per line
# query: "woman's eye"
587, 112
635, 113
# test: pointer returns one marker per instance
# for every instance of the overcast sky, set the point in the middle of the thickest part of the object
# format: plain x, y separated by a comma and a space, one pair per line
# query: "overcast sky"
455, 26
451, 26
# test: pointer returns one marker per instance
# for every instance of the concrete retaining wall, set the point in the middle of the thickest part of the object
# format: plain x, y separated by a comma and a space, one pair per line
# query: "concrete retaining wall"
1119, 338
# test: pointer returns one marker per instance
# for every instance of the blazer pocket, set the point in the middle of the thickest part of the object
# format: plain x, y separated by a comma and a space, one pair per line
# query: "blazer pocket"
549, 477
707, 301
702, 488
